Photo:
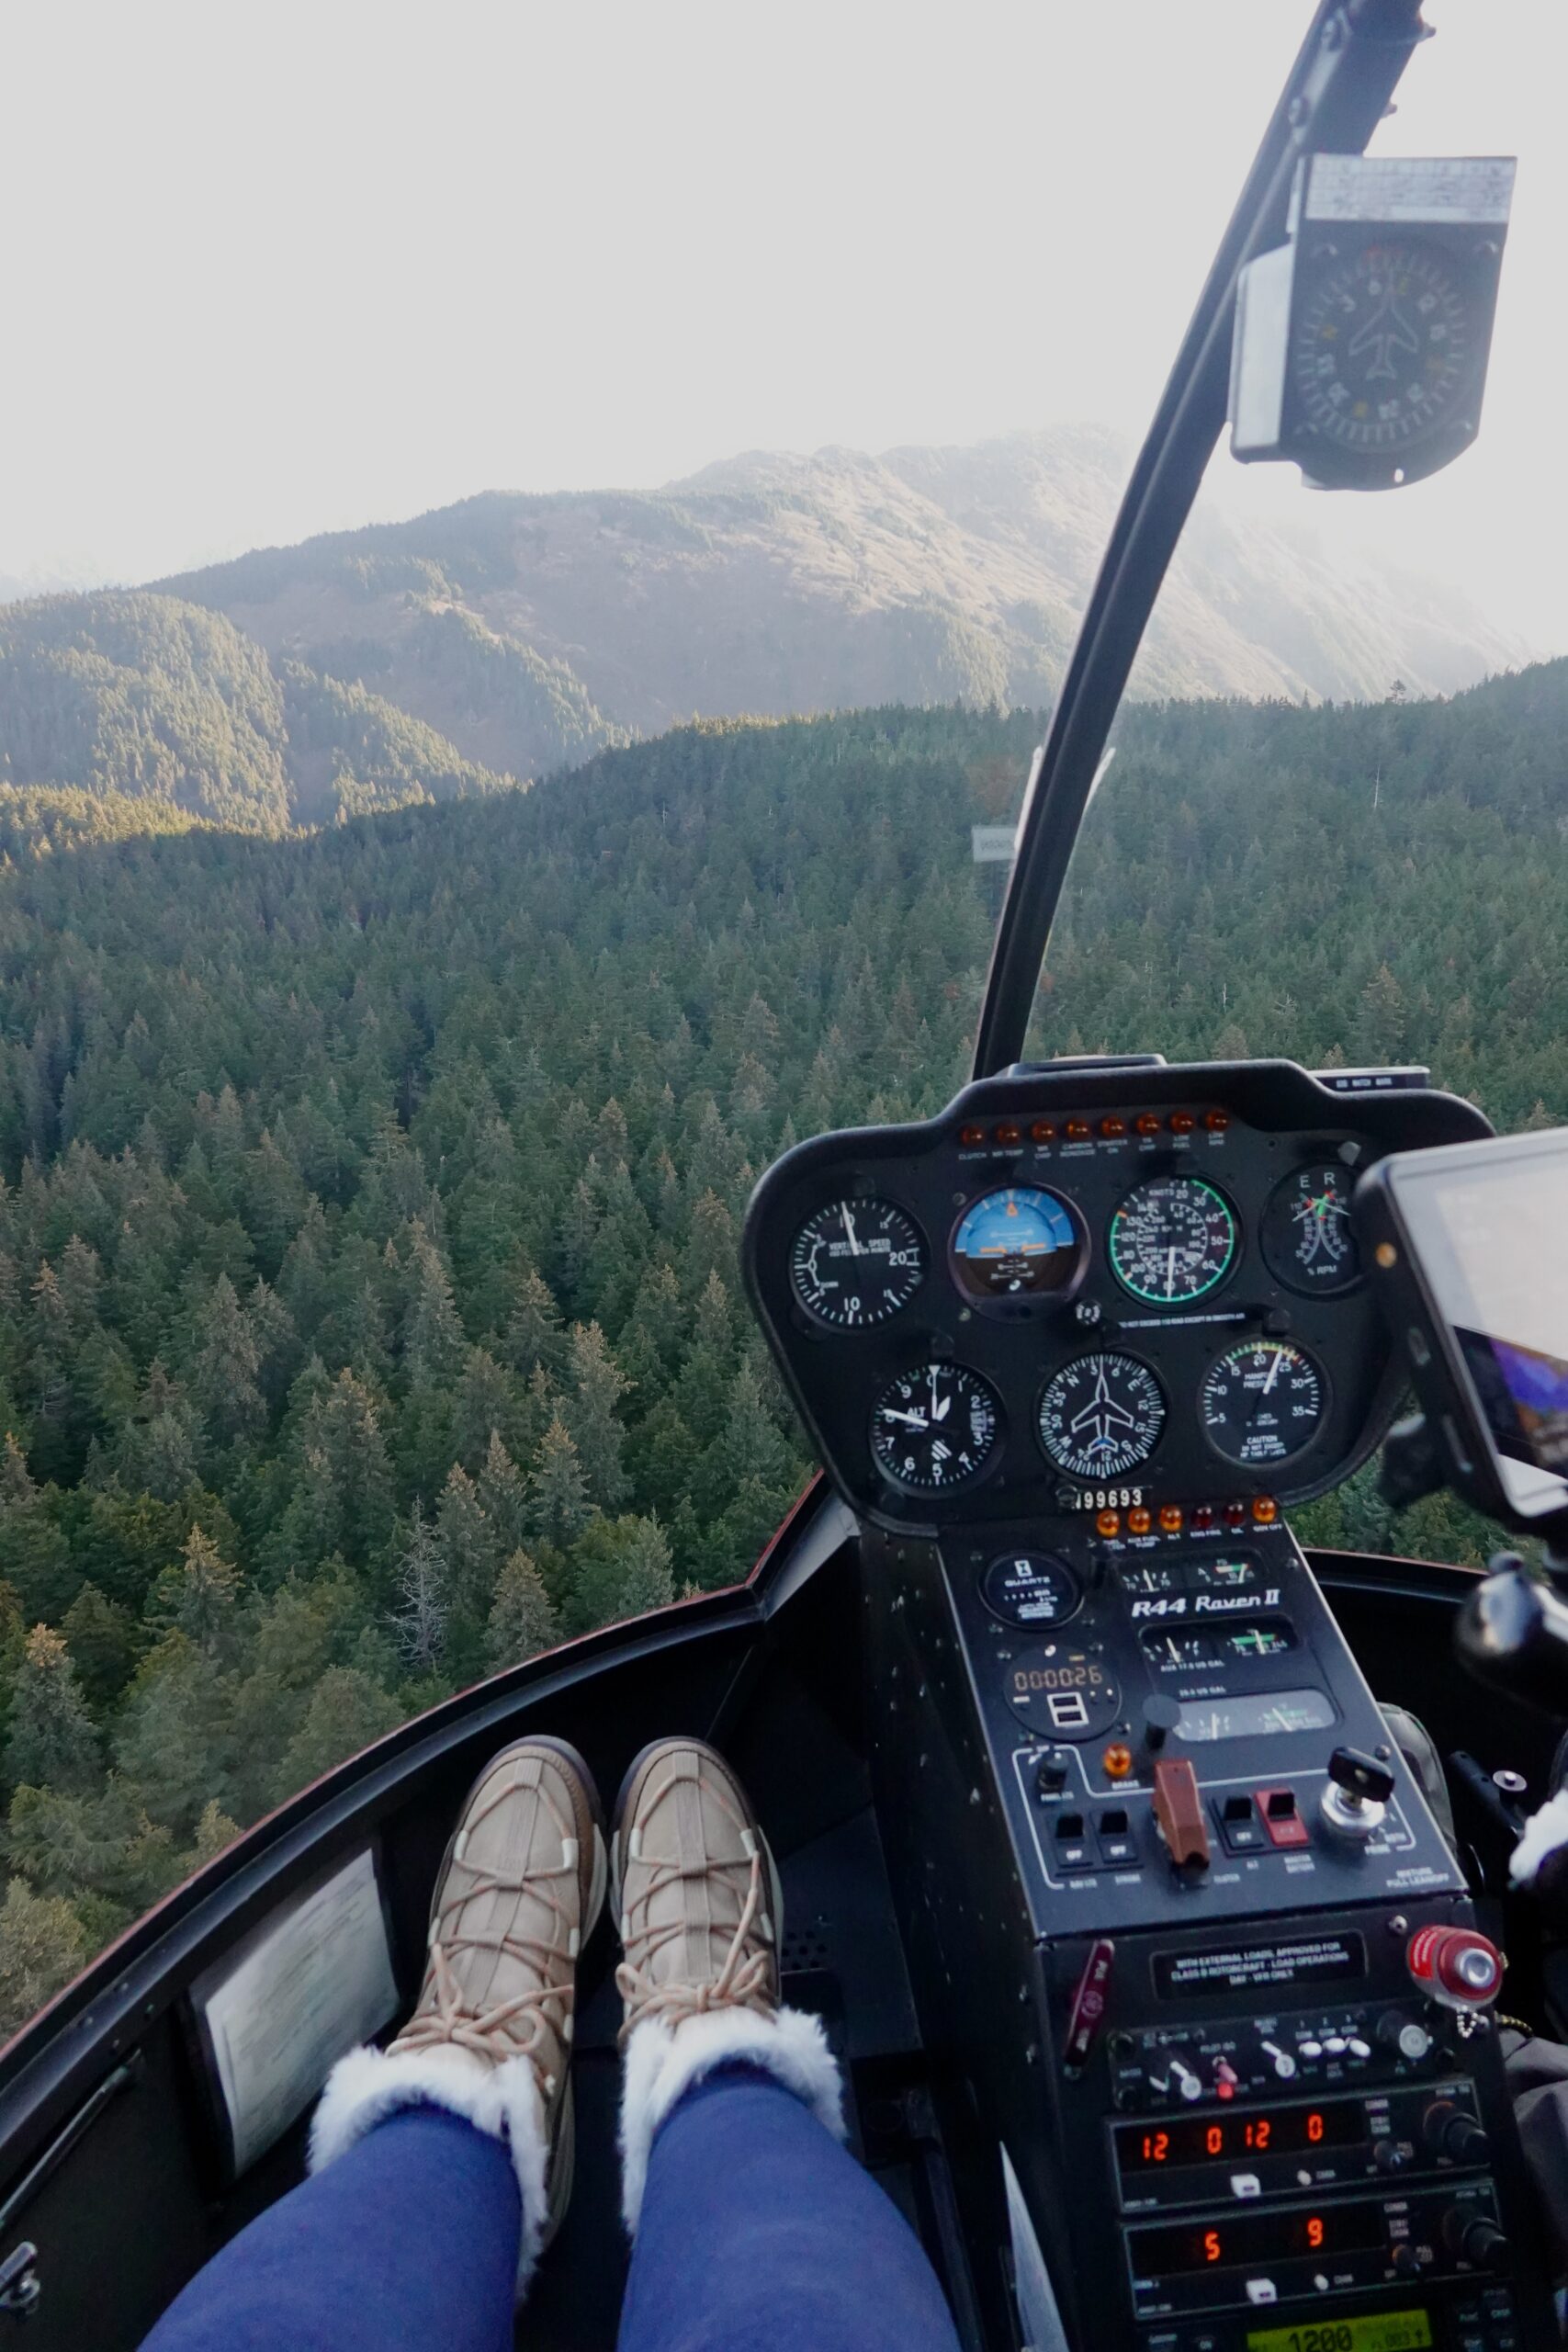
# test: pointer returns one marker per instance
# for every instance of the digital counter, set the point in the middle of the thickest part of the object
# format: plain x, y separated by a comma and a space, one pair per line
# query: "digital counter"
1378, 2332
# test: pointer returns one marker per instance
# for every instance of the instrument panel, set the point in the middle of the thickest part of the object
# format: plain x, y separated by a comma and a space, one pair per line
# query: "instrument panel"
1134, 1289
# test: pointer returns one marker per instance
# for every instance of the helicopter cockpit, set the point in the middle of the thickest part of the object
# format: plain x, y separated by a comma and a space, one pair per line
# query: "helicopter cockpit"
1150, 1872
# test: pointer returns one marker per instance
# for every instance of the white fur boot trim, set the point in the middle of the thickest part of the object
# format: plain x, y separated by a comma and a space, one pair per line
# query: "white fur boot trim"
502, 2102
1543, 1833
663, 2061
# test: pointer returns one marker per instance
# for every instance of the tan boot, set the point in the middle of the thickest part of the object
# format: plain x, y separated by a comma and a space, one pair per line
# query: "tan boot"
490, 2035
701, 1918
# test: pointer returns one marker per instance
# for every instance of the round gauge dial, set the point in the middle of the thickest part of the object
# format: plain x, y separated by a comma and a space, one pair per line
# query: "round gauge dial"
1172, 1240
856, 1262
1019, 1243
1030, 1588
1262, 1402
1384, 348
935, 1426
1101, 1415
1307, 1240
1066, 1692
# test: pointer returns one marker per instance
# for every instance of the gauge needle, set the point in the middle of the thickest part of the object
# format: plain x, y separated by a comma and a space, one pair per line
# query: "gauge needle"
939, 1407
850, 1229
915, 1420
1274, 1370
1170, 1272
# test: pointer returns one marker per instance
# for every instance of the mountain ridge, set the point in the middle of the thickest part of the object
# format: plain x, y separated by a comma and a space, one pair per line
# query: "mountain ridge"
774, 585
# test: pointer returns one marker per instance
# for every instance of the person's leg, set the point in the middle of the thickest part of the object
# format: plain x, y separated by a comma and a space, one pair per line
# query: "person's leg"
759, 2233
442, 2164
754, 2230
408, 2244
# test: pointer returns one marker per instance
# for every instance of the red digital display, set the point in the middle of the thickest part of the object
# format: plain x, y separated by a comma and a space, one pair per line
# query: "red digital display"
1254, 2237
1232, 2139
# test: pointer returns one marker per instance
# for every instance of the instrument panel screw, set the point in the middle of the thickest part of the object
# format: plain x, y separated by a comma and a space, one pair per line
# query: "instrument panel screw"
1398, 1923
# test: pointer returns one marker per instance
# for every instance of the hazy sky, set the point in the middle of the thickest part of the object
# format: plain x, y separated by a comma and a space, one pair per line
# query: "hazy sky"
277, 269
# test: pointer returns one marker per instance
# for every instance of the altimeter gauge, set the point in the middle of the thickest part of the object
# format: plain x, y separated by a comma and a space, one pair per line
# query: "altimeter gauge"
856, 1262
935, 1426
1101, 1415
1173, 1240
1306, 1236
1263, 1401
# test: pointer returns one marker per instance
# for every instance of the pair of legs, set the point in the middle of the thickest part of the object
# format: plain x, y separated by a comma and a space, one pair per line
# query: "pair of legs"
441, 2167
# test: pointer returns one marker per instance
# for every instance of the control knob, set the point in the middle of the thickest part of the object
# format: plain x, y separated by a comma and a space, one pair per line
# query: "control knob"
1475, 2238
1450, 2131
1407, 2035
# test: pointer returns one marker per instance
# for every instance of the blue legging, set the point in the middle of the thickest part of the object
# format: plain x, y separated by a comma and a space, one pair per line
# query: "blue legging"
757, 2232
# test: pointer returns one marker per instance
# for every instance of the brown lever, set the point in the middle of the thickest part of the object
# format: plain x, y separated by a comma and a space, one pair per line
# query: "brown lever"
1178, 1810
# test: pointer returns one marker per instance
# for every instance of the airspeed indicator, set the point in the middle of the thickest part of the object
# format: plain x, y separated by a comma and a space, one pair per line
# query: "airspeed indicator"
857, 1262
1172, 1240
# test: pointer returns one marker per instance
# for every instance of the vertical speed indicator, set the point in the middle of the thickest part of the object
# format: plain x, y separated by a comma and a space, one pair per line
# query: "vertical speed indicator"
856, 1262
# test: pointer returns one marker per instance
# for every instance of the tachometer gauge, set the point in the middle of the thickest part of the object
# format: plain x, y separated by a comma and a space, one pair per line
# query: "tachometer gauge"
1019, 1243
1306, 1237
1101, 1415
1262, 1402
1173, 1240
856, 1262
934, 1428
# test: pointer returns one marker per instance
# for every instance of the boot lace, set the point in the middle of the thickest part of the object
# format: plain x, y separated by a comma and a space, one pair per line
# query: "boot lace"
517, 2027
744, 1977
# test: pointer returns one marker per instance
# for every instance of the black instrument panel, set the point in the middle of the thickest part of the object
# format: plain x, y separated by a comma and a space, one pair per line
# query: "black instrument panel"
1128, 1287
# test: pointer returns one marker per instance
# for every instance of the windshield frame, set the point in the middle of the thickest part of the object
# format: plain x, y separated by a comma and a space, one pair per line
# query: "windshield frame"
1336, 93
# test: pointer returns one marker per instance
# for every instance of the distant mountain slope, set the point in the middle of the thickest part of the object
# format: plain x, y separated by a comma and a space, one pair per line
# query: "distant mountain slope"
121, 702
531, 629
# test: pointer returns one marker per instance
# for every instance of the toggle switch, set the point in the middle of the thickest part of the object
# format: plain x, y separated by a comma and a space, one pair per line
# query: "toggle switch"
1179, 1811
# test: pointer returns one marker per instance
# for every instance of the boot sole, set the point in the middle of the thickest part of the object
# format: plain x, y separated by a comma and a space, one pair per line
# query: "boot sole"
563, 2152
775, 1890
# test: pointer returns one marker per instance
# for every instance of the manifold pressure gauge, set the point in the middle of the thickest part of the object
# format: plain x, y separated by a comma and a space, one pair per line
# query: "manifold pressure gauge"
1361, 346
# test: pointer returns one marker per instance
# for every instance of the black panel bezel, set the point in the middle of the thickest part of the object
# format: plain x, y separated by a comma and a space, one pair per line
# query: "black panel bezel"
1278, 1114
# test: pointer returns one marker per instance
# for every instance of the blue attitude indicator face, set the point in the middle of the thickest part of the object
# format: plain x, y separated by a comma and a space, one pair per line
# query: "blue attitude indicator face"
1020, 1243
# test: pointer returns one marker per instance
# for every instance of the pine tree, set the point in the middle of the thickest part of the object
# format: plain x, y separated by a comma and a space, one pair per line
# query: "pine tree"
51, 1742
503, 1496
42, 1947
521, 1621
198, 1596
224, 1366
591, 1415
559, 1508
469, 1553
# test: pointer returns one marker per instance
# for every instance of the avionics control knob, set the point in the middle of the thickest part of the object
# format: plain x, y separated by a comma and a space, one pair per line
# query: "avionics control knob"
1161, 1715
1475, 2238
1450, 2131
1407, 2035
1457, 1966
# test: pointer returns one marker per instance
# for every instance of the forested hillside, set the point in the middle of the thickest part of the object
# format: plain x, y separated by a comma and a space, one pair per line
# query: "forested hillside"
368, 1312
528, 629
138, 702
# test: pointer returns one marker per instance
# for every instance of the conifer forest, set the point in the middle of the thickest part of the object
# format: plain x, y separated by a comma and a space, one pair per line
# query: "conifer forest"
370, 1315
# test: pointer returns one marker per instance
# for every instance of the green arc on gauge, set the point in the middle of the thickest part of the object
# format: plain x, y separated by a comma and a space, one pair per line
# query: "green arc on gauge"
1184, 1240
